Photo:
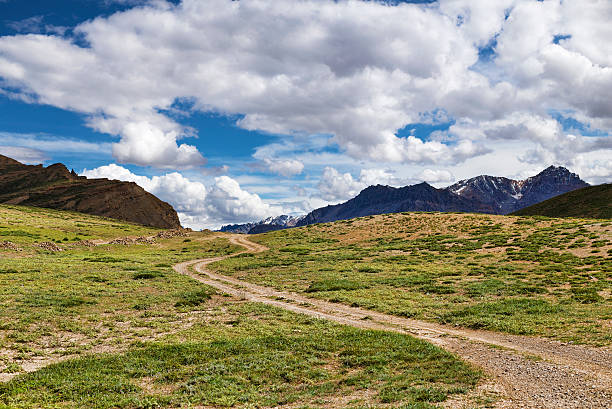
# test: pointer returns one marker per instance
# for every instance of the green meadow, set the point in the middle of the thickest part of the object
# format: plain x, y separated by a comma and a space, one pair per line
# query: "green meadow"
114, 326
519, 275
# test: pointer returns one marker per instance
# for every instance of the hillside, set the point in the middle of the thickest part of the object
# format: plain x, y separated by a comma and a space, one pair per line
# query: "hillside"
518, 275
107, 323
56, 187
593, 202
112, 320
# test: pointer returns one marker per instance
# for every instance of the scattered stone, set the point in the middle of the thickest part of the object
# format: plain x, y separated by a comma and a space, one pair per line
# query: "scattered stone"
124, 241
85, 243
9, 246
50, 246
127, 241
144, 240
168, 234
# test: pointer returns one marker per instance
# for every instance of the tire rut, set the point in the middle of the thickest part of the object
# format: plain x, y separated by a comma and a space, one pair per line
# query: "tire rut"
530, 372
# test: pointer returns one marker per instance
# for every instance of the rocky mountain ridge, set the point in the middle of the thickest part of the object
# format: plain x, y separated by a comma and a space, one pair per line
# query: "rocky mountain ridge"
268, 224
481, 194
505, 195
56, 187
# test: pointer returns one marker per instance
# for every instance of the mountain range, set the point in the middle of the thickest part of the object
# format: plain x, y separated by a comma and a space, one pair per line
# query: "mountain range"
56, 187
265, 225
481, 194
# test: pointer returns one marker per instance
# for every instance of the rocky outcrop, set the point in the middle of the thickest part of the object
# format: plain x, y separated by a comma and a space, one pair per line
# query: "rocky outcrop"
56, 187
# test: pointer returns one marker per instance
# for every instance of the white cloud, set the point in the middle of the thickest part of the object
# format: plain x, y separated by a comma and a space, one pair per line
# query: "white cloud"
228, 202
215, 170
35, 24
198, 206
270, 158
545, 141
436, 176
143, 144
287, 66
50, 143
24, 155
335, 186
353, 70
284, 167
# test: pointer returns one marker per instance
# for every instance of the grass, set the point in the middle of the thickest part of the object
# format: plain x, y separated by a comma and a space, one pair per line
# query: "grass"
520, 275
590, 201
86, 299
262, 357
129, 332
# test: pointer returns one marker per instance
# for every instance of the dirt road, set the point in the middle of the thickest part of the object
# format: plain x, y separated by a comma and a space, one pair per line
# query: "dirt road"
528, 372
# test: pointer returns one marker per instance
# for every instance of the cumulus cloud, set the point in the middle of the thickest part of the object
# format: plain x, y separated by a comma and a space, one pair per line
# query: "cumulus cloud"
291, 67
197, 205
284, 167
267, 60
436, 176
545, 141
228, 202
143, 144
335, 186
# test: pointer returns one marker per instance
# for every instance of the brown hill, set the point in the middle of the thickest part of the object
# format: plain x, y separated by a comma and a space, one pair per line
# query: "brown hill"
56, 187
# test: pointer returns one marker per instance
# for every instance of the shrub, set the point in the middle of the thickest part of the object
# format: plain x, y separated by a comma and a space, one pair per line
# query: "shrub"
194, 298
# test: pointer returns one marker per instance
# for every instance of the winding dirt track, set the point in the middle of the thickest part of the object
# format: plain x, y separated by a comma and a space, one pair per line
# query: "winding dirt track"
527, 372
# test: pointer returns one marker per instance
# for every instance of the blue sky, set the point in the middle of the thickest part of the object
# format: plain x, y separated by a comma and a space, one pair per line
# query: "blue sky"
233, 111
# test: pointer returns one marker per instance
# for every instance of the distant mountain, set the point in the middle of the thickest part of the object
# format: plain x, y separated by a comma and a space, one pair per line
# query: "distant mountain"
482, 194
56, 187
263, 226
505, 195
593, 202
385, 199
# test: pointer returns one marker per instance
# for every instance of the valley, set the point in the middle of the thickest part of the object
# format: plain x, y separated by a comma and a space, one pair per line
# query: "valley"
305, 204
111, 324
327, 315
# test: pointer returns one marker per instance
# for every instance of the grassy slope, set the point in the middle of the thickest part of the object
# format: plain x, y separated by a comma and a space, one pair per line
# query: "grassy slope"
521, 275
141, 335
27, 225
592, 201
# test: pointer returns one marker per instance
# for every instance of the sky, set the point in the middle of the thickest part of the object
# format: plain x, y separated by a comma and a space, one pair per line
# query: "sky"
233, 111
